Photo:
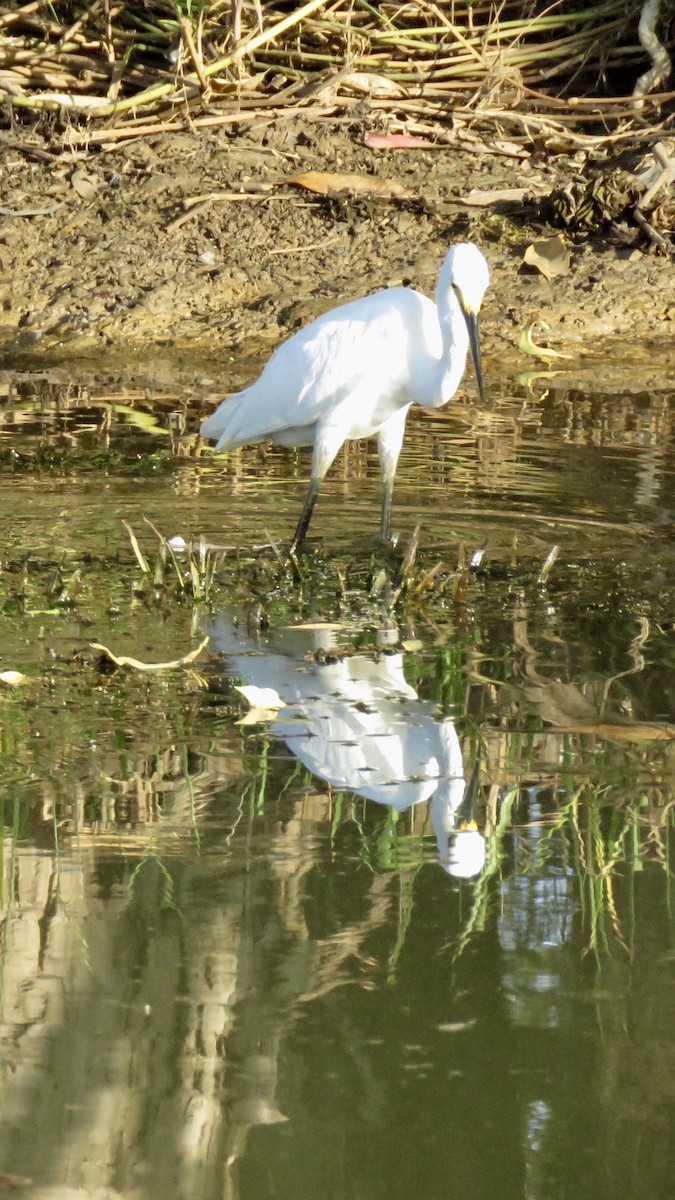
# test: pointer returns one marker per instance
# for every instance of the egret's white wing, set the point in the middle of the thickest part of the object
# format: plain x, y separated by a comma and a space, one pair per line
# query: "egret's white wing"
368, 347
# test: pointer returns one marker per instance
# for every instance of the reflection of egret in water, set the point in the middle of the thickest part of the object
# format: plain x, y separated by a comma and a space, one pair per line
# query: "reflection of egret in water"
356, 723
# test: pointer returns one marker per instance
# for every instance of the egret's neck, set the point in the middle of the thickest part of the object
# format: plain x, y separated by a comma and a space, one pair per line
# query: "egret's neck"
446, 372
455, 343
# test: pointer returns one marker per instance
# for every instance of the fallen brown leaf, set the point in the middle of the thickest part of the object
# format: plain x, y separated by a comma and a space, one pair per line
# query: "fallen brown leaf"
477, 198
327, 182
393, 141
366, 83
549, 256
84, 184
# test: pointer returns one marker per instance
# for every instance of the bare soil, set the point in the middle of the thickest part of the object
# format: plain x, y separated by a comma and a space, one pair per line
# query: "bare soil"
105, 269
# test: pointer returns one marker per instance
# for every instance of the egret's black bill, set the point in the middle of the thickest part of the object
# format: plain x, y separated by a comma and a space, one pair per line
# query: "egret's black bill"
474, 342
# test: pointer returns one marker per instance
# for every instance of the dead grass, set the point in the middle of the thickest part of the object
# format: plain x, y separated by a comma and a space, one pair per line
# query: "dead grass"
108, 71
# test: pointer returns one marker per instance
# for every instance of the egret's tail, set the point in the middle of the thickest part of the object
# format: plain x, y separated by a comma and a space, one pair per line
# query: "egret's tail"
226, 427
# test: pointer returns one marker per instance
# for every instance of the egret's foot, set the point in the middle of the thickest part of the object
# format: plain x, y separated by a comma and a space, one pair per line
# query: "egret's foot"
386, 550
305, 549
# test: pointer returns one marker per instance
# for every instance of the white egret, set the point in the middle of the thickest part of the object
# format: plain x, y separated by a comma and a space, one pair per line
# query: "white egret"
355, 371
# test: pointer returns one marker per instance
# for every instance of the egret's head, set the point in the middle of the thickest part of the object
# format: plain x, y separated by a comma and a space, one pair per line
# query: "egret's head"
466, 273
469, 275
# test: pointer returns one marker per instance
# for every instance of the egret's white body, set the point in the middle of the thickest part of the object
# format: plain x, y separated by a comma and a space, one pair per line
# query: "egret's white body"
355, 371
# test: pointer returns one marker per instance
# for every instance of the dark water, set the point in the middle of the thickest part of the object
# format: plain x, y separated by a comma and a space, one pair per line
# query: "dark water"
401, 921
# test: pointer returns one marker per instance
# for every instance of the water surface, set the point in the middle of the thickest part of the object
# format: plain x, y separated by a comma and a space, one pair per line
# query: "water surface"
402, 922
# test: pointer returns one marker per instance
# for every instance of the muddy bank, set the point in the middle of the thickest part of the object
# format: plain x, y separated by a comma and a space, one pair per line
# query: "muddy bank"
93, 260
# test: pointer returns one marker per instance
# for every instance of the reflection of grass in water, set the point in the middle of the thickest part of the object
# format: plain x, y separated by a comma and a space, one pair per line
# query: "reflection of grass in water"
605, 844
387, 843
404, 911
187, 777
386, 839
482, 886
84, 752
351, 808
259, 779
168, 885
601, 853
8, 877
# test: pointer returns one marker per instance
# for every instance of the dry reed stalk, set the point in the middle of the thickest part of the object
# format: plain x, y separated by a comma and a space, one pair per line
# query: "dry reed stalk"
110, 59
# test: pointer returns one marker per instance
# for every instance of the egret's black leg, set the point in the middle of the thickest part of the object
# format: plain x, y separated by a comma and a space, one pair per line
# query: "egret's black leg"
305, 515
385, 521
327, 442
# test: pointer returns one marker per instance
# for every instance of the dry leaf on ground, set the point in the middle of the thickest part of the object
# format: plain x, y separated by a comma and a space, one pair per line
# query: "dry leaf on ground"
327, 182
479, 199
549, 256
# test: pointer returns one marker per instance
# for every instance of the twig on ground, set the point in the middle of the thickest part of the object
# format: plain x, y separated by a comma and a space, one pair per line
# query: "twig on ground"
653, 234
